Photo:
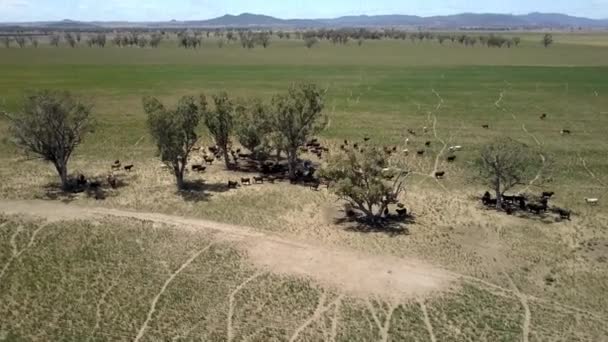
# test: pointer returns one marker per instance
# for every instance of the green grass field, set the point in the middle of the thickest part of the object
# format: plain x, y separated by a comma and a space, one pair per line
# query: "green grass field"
82, 280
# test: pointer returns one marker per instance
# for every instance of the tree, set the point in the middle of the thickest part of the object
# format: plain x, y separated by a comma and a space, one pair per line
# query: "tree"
310, 41
364, 180
51, 125
54, 40
69, 38
34, 41
254, 127
547, 39
6, 41
20, 41
174, 132
298, 116
220, 122
506, 163
155, 40
264, 39
516, 41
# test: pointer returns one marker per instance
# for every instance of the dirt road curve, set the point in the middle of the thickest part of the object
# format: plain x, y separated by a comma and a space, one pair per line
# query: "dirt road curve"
353, 272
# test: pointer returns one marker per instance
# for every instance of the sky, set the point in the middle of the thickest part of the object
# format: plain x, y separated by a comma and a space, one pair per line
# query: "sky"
160, 10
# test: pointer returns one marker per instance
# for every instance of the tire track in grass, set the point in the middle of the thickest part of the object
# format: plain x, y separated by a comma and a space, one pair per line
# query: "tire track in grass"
427, 320
319, 311
524, 303
17, 254
334, 321
591, 173
100, 303
383, 328
152, 310
231, 300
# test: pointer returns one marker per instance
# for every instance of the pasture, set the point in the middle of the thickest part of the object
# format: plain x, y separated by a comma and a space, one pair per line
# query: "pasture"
540, 278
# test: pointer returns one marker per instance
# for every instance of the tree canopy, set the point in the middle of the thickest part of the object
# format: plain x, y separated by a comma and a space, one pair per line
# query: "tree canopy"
51, 125
174, 132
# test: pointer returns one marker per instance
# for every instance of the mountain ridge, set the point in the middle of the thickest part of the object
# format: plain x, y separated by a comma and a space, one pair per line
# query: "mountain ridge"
455, 21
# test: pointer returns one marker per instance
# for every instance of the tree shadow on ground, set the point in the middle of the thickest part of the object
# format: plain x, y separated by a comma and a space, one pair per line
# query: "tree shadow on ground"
547, 218
96, 188
391, 225
200, 191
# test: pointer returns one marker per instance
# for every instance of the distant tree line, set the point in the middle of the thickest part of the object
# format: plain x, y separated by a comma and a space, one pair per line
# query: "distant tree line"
249, 39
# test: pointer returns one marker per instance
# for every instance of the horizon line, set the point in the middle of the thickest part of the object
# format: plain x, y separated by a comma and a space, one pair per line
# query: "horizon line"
302, 18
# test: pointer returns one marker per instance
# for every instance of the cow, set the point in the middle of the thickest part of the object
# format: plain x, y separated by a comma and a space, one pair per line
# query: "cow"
440, 174
257, 180
116, 165
246, 181
232, 185
128, 168
451, 159
548, 194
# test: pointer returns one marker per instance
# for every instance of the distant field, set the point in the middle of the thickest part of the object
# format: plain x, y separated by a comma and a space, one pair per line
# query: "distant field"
380, 89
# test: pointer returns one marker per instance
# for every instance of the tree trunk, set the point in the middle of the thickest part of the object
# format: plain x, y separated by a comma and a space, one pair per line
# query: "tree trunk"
498, 199
226, 160
62, 170
179, 176
278, 157
292, 159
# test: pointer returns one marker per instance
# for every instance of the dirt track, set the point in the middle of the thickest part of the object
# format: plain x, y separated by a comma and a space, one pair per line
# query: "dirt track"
352, 272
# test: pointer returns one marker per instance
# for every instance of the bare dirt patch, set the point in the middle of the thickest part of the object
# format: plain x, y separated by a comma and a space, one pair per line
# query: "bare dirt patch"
355, 273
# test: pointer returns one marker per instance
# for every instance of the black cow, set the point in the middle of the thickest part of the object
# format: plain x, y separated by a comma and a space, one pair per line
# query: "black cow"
402, 212
246, 181
440, 174
232, 185
486, 126
451, 159
257, 180
548, 194
128, 168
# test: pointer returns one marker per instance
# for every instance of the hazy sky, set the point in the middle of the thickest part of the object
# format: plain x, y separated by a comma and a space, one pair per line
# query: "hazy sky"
151, 10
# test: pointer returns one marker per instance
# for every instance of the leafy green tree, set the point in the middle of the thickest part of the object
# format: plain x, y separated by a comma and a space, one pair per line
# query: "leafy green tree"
174, 132
365, 180
547, 40
311, 41
254, 128
51, 125
506, 163
516, 41
298, 116
220, 122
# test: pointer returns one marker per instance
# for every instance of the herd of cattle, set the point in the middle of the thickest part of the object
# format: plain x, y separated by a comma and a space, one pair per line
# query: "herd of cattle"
527, 204
273, 171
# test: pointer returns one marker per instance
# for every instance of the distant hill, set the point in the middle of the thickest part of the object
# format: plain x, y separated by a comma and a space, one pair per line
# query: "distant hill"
457, 21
